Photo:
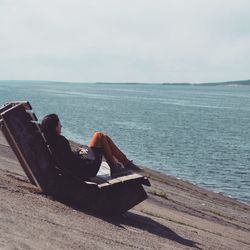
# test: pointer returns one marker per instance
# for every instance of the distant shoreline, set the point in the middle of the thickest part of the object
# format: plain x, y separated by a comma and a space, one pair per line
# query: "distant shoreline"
229, 83
226, 83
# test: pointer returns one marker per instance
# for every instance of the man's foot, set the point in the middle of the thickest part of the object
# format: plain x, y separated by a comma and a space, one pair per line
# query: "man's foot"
132, 166
117, 170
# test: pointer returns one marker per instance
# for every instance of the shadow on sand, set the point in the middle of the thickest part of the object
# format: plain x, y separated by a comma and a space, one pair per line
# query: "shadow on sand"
130, 219
143, 223
147, 224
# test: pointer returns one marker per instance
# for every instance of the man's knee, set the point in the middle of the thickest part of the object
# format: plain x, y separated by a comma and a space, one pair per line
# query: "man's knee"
99, 134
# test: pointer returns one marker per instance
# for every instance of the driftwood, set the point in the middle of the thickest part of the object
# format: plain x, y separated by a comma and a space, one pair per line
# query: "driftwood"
101, 194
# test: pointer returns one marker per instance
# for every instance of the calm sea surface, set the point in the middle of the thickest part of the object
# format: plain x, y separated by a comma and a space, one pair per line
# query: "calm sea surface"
196, 133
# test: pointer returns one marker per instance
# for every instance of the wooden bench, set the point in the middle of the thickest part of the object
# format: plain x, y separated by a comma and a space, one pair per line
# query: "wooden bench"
101, 194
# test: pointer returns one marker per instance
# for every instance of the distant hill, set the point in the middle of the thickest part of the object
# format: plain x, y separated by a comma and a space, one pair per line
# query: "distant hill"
243, 82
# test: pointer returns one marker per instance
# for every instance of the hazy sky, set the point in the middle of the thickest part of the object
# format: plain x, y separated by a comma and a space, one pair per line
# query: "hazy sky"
125, 40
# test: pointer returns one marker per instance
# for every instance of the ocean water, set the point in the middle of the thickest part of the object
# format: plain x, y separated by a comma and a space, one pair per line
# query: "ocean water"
194, 132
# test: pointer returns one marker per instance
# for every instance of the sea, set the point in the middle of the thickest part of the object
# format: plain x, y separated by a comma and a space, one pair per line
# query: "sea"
195, 132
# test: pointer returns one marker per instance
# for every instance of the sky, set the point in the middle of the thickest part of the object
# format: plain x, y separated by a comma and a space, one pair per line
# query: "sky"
125, 40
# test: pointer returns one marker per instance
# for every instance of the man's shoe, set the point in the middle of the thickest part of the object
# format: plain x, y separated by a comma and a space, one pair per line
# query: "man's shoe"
132, 166
117, 170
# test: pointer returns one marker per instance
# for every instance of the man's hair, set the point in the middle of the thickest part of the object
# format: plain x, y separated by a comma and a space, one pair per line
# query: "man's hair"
49, 124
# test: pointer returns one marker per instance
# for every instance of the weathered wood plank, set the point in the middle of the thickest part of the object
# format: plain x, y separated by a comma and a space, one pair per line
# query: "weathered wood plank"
7, 106
11, 141
29, 147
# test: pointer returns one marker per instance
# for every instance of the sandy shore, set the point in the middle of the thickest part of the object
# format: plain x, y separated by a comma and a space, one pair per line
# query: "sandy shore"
177, 215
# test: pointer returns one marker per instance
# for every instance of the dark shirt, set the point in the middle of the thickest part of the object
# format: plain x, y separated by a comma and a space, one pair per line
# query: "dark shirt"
67, 159
64, 156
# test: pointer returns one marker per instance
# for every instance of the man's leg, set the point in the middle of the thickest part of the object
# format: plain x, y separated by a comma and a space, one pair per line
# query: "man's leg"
100, 140
111, 150
119, 155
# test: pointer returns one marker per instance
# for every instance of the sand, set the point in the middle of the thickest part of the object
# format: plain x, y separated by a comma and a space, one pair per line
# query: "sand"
176, 215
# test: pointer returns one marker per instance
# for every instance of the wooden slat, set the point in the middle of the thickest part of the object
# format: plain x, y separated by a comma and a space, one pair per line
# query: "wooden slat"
25, 104
123, 179
104, 179
7, 106
32, 116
